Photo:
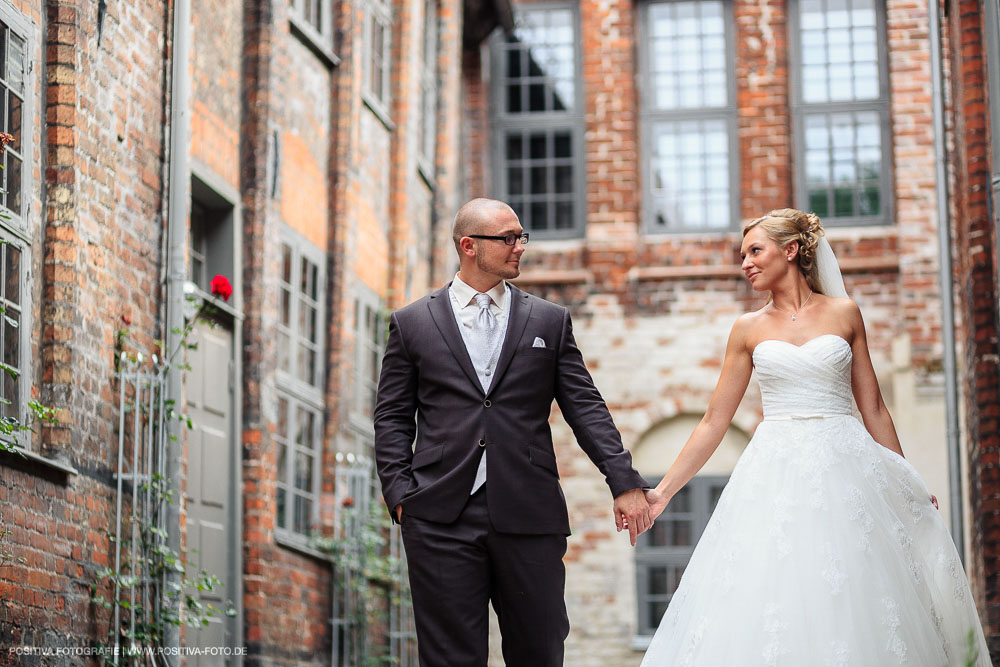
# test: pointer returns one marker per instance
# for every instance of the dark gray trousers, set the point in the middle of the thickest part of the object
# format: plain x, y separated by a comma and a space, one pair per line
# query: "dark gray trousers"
457, 569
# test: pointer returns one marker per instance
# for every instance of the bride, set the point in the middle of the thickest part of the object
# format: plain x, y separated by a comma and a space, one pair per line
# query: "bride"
825, 547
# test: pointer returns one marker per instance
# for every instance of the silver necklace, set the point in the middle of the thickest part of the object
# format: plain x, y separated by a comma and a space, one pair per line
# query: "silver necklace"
797, 311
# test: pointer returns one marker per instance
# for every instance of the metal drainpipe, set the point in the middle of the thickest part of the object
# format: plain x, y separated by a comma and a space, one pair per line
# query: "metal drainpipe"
946, 280
177, 229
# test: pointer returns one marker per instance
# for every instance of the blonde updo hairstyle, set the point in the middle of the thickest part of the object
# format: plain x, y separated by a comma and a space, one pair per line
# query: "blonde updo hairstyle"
785, 225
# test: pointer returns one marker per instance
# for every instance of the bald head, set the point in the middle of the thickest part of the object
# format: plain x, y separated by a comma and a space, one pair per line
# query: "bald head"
474, 218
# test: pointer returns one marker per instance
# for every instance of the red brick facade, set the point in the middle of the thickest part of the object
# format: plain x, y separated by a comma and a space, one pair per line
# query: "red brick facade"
280, 126
977, 251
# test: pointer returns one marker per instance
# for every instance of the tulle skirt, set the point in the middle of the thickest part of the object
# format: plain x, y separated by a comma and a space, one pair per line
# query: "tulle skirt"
824, 550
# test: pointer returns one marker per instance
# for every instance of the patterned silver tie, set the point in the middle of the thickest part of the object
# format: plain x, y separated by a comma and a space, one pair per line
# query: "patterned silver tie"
485, 332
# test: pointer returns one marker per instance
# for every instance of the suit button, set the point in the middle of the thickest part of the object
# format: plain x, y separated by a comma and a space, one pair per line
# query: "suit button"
487, 403
482, 443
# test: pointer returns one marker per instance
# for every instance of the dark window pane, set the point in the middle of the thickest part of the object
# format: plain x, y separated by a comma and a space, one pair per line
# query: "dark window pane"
303, 510
282, 463
539, 180
536, 97
656, 610
282, 516
513, 99
681, 502
564, 215
303, 472
515, 181
286, 263
681, 534
539, 216
514, 63
14, 119
13, 183
286, 307
515, 147
537, 149
657, 581
819, 203
563, 145
843, 202
12, 274
12, 339
4, 34
564, 179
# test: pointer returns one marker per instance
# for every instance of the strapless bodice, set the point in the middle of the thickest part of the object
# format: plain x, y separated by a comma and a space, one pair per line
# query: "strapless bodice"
804, 381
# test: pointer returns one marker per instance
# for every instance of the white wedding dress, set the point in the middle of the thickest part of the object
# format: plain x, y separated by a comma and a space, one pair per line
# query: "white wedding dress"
824, 548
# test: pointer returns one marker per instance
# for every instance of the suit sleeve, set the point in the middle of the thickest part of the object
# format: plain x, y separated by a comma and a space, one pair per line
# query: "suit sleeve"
395, 425
587, 414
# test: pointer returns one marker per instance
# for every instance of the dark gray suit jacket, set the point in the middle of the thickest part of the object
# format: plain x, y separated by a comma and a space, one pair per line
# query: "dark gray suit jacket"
433, 421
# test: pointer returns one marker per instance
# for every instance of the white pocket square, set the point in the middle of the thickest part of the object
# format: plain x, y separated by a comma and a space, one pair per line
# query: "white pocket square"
538, 342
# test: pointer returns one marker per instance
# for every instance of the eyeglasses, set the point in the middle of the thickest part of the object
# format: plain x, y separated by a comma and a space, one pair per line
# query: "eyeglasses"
509, 239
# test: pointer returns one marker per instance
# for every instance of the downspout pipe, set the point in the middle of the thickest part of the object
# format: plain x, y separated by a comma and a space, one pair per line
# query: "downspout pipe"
946, 280
178, 196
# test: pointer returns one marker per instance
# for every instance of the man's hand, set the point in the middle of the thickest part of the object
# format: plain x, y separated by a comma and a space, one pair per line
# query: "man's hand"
398, 509
657, 503
632, 512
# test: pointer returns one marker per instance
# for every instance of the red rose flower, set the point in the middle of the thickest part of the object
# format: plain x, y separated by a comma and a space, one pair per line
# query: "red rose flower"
347, 502
220, 287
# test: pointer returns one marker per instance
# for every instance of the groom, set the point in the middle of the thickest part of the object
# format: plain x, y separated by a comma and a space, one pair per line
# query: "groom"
464, 451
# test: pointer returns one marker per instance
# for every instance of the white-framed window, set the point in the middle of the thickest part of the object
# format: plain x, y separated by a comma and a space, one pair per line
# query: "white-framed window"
841, 110
299, 456
312, 21
369, 327
300, 379
15, 249
538, 121
688, 107
378, 55
427, 130
662, 553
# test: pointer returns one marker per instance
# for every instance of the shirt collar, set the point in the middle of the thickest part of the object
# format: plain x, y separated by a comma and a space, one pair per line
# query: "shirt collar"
466, 294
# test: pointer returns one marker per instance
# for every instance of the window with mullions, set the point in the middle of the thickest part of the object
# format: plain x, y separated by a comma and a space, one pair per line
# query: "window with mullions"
662, 553
689, 116
300, 318
841, 110
539, 121
12, 384
378, 75
314, 18
298, 437
13, 82
428, 88
369, 344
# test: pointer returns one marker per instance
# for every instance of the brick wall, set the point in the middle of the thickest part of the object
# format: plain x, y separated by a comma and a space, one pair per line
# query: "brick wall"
976, 255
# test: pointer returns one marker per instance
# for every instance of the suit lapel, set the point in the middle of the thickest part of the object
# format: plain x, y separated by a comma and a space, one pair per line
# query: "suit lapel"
444, 317
520, 307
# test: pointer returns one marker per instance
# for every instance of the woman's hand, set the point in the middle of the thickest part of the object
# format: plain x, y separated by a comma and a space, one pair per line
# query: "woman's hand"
657, 503
933, 501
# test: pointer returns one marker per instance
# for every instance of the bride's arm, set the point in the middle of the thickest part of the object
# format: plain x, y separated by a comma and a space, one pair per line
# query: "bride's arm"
708, 434
867, 395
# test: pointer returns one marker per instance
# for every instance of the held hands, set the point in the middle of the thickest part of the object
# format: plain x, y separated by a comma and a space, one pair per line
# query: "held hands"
632, 513
934, 501
657, 503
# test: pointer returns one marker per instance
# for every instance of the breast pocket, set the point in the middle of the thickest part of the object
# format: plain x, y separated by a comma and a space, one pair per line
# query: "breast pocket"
538, 352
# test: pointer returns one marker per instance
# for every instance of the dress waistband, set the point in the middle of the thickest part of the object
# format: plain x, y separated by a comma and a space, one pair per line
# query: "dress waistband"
787, 418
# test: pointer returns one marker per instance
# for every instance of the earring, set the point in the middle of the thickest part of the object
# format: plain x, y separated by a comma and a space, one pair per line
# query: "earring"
789, 259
